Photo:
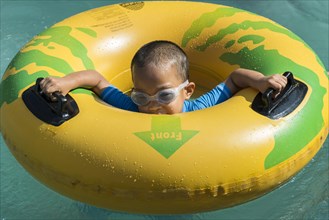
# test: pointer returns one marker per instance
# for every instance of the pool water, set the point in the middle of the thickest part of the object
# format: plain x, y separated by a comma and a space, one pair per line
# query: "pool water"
306, 196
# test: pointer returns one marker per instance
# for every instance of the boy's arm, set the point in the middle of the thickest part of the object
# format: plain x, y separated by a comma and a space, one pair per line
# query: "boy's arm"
242, 78
89, 79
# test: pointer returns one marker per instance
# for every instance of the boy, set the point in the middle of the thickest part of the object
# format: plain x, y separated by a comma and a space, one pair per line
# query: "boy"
160, 75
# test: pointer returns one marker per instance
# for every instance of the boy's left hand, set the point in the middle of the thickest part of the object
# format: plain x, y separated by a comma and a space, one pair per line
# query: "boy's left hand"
277, 82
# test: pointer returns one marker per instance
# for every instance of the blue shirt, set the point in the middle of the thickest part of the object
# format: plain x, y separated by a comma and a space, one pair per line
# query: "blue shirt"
219, 94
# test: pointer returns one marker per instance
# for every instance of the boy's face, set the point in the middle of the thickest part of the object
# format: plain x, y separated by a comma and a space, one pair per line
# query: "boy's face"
151, 79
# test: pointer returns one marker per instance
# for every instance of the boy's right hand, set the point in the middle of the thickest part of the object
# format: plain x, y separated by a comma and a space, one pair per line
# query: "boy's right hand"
88, 79
50, 85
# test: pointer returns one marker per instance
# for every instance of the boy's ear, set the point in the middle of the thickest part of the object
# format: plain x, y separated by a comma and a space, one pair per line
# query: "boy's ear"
189, 89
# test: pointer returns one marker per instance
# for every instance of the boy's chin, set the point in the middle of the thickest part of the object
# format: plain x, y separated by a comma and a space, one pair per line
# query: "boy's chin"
159, 113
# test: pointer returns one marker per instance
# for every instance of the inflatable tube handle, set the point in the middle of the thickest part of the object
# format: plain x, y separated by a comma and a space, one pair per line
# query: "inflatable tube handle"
54, 112
62, 105
287, 101
267, 98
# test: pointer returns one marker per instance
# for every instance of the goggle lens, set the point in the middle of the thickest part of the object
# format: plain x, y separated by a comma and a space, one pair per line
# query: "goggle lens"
139, 98
166, 96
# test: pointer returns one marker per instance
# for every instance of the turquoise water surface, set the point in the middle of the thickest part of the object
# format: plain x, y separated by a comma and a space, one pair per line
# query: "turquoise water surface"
306, 196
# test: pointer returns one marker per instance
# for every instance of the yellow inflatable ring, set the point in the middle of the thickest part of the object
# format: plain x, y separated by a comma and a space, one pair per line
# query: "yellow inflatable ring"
190, 162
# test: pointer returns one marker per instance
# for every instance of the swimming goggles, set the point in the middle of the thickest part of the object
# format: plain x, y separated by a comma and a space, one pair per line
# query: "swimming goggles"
164, 96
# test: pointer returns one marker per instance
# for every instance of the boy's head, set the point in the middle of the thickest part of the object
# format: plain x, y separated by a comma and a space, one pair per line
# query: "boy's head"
158, 68
160, 54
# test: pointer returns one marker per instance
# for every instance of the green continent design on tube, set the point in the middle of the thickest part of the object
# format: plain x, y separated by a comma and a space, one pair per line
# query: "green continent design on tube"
13, 84
309, 120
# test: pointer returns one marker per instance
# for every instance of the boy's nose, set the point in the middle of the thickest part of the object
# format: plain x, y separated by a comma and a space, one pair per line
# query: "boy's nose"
153, 106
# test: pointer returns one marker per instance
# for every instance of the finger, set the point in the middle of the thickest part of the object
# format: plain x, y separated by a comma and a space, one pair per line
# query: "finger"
278, 89
277, 86
43, 83
283, 82
51, 88
279, 79
48, 85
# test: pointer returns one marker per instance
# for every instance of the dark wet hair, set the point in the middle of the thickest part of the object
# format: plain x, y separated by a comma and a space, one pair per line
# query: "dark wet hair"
160, 53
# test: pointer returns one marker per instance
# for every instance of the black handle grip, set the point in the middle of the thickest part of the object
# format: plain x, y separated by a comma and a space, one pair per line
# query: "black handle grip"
52, 111
268, 99
60, 106
288, 99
